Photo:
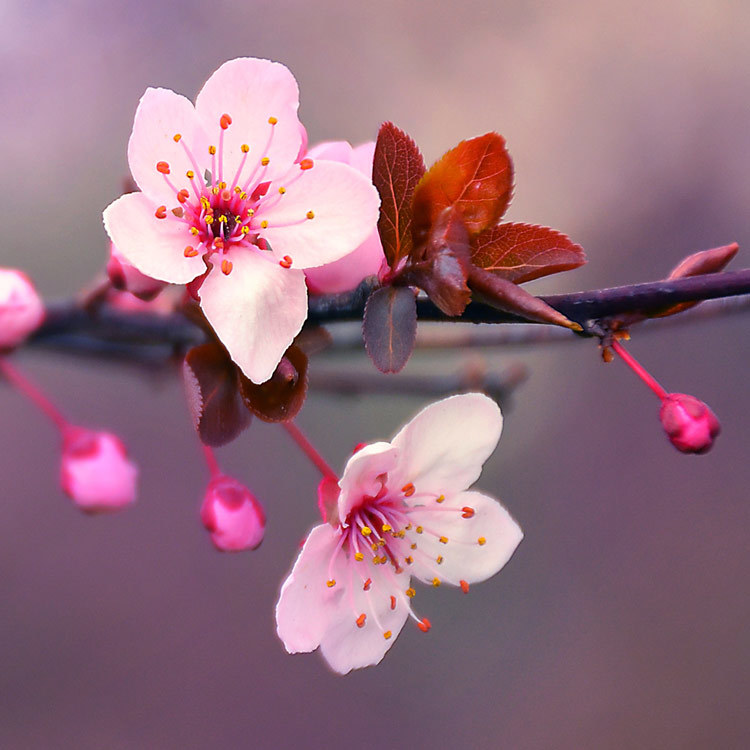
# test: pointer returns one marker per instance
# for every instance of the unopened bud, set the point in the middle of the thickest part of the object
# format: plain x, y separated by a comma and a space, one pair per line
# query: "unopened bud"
127, 278
690, 425
21, 310
96, 472
232, 515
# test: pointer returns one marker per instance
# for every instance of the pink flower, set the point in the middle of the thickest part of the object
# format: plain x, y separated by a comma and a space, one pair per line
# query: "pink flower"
96, 472
690, 425
232, 514
367, 259
127, 278
403, 510
21, 310
257, 219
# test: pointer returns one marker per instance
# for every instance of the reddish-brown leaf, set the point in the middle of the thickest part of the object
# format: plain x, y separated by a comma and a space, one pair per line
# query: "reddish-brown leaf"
476, 177
389, 327
507, 296
211, 383
522, 252
281, 397
397, 168
444, 264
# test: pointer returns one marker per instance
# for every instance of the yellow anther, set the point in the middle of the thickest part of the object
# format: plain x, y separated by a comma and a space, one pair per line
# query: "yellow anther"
411, 593
439, 559
440, 499
282, 190
244, 148
358, 556
243, 195
435, 581
310, 214
374, 547
272, 120
330, 583
409, 559
408, 526
264, 224
414, 546
237, 189
222, 185
481, 541
176, 137
222, 219
238, 218
208, 219
387, 527
366, 531
387, 634
400, 534
193, 230
265, 161
245, 230
212, 150
250, 211
190, 174
419, 529
443, 540
215, 190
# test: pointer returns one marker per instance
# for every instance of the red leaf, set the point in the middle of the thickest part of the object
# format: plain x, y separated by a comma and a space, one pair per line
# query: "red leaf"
281, 397
389, 327
522, 252
397, 168
444, 264
213, 394
476, 177
507, 296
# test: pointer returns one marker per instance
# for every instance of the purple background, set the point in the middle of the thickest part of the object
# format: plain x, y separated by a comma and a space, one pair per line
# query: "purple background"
621, 620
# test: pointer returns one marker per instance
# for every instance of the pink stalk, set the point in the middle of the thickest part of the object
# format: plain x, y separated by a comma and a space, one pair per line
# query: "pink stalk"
211, 462
309, 450
28, 389
639, 370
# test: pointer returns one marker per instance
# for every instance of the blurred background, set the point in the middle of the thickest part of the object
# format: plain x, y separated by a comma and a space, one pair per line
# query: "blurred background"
621, 621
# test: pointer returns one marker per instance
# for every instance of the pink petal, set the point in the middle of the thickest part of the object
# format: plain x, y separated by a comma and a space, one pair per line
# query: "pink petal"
345, 645
463, 557
362, 158
256, 310
340, 151
443, 448
306, 603
344, 205
251, 91
156, 247
162, 114
360, 477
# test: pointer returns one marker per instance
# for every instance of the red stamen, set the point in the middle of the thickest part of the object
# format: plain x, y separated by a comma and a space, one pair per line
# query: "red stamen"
163, 167
226, 266
424, 624
361, 620
161, 212
467, 512
286, 262
408, 489
393, 602
306, 164
190, 252
367, 585
464, 586
183, 195
225, 121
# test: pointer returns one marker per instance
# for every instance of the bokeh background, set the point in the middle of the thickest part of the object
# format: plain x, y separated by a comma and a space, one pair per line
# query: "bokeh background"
621, 622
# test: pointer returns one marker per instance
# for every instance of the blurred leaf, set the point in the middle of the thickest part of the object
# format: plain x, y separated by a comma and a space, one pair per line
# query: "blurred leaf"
390, 327
444, 264
507, 296
397, 168
211, 382
476, 177
522, 252
281, 397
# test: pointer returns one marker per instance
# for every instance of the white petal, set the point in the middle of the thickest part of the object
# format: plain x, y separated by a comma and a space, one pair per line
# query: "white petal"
251, 91
161, 115
360, 477
156, 247
256, 310
305, 602
443, 448
344, 205
463, 557
346, 646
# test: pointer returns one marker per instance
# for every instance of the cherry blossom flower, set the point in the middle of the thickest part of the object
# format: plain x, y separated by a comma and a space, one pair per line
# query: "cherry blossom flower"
367, 259
690, 425
96, 472
21, 310
403, 510
223, 196
233, 516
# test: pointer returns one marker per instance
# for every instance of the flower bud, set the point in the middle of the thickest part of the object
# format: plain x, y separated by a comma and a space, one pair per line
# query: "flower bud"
232, 515
690, 425
127, 278
21, 310
96, 472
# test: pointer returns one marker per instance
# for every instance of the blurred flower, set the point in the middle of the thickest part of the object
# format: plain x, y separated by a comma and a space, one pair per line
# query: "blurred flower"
367, 259
221, 189
21, 310
690, 425
232, 514
96, 472
403, 510
127, 278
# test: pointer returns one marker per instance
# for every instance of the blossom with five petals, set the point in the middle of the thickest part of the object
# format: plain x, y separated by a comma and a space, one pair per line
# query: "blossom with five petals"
403, 509
225, 198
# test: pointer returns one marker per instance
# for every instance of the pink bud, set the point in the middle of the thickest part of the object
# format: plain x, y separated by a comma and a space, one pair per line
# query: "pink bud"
127, 278
690, 425
96, 472
232, 514
21, 310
